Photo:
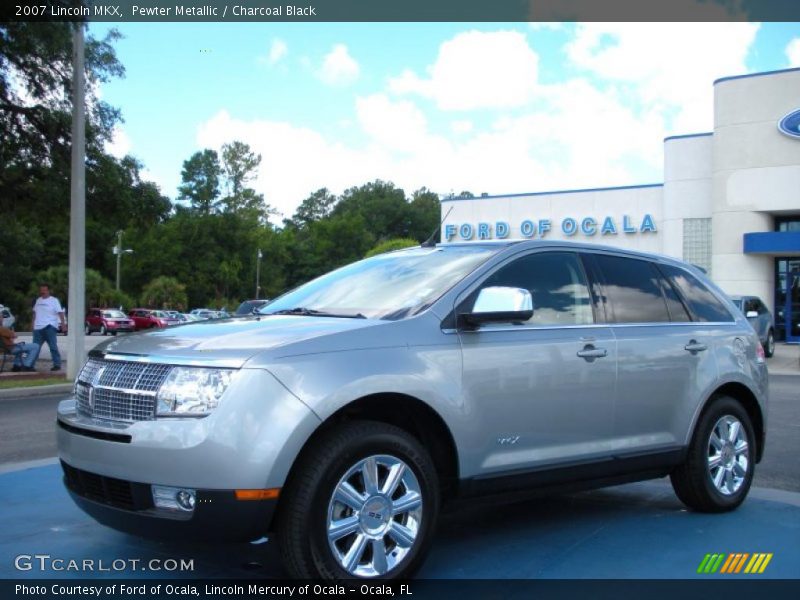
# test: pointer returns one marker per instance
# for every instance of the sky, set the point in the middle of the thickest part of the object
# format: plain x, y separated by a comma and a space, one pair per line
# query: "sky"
489, 108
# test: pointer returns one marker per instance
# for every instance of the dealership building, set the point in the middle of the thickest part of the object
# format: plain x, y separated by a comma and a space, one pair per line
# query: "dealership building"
730, 201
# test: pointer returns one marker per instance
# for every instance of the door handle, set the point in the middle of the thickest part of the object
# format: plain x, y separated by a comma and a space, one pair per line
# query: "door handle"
589, 352
695, 346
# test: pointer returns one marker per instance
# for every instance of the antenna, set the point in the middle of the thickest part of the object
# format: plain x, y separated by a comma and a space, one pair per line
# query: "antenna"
429, 243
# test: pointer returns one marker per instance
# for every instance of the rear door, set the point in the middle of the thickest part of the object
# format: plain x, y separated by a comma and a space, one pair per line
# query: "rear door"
542, 392
665, 360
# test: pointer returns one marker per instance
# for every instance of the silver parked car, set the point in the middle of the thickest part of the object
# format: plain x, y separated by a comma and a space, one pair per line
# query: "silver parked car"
344, 414
760, 317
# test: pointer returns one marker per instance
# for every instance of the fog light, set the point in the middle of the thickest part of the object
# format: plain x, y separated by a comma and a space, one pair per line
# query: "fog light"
172, 498
186, 500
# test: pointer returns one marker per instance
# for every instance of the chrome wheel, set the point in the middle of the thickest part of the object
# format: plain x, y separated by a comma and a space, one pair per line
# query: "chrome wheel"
728, 455
374, 516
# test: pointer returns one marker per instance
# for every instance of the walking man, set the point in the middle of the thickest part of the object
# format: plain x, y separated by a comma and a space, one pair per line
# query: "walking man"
24, 353
48, 319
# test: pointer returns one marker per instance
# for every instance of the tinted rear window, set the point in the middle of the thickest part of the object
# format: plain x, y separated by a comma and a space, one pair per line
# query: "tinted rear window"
632, 289
703, 303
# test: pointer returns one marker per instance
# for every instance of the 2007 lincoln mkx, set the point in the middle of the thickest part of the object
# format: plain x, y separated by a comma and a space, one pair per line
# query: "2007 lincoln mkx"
342, 416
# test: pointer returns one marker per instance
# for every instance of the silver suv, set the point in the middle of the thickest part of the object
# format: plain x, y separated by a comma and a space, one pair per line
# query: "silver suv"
343, 416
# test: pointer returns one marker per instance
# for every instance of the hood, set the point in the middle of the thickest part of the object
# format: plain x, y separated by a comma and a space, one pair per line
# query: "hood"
227, 342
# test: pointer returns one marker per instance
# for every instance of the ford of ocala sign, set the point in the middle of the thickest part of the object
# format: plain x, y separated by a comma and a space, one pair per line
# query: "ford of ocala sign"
790, 124
530, 228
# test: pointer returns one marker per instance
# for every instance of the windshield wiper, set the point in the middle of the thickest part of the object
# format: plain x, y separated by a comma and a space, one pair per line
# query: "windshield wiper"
310, 312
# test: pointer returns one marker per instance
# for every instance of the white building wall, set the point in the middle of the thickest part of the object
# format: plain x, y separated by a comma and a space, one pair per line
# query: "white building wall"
756, 174
687, 187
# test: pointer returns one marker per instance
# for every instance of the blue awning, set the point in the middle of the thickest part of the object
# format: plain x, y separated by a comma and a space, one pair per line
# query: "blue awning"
772, 242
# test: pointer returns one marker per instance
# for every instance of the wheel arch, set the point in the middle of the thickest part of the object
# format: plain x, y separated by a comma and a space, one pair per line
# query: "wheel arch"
744, 396
412, 415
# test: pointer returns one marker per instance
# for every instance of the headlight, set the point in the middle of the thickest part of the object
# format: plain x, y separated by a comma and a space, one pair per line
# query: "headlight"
192, 391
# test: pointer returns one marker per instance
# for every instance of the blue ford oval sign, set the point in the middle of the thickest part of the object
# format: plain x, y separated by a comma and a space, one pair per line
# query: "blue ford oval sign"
790, 124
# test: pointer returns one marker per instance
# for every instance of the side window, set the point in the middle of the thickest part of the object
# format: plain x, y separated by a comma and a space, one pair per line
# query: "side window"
632, 290
751, 306
762, 310
557, 286
702, 301
677, 310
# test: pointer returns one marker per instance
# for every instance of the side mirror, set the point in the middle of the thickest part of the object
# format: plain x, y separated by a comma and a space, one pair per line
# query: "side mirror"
500, 305
751, 314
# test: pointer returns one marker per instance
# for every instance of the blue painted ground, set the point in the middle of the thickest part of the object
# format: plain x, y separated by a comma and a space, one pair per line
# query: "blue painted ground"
632, 531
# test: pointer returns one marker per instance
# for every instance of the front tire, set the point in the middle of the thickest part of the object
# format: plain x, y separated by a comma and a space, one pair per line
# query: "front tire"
720, 463
103, 330
769, 347
362, 502
86, 329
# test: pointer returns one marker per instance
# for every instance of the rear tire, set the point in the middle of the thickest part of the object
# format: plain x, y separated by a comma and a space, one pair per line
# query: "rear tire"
720, 462
769, 348
362, 502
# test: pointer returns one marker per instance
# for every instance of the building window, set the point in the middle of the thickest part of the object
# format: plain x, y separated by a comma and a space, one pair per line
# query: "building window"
787, 224
697, 243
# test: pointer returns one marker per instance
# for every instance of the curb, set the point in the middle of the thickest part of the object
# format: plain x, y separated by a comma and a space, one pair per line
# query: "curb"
40, 390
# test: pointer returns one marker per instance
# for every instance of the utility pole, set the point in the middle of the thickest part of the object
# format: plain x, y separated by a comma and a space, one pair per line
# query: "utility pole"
119, 252
77, 215
258, 272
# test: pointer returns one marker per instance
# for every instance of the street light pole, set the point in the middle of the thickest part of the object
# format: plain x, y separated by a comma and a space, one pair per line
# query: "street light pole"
258, 272
77, 213
118, 252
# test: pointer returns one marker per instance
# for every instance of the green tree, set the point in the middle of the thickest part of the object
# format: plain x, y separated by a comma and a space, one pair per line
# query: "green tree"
165, 292
239, 166
425, 214
390, 245
317, 206
381, 205
200, 178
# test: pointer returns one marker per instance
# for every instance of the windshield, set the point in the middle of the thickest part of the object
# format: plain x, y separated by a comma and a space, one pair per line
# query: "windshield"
114, 314
388, 286
159, 314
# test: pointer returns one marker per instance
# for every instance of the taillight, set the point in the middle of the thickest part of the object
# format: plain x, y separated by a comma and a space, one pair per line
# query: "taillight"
761, 356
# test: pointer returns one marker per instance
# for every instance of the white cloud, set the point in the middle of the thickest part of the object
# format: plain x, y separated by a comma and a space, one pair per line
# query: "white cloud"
120, 144
668, 66
394, 125
338, 67
461, 126
793, 52
476, 70
277, 51
640, 82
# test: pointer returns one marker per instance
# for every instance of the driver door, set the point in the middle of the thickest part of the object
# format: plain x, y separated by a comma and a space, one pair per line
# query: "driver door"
543, 391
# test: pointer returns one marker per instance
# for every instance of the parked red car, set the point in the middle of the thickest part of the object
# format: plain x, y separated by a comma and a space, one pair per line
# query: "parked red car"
145, 318
107, 320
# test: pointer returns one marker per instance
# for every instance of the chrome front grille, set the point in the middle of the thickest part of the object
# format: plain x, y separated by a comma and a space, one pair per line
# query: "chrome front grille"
119, 390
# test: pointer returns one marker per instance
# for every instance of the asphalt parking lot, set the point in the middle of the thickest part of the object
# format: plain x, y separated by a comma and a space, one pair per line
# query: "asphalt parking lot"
633, 531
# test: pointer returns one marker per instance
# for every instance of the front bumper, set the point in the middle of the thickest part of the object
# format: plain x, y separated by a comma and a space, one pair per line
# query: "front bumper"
249, 442
128, 506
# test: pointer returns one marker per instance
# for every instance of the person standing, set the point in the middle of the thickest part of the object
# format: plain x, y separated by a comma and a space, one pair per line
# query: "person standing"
48, 319
24, 353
